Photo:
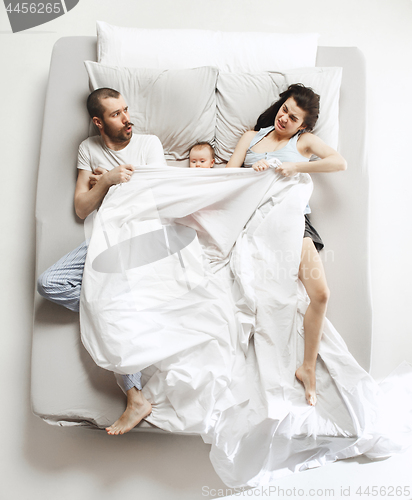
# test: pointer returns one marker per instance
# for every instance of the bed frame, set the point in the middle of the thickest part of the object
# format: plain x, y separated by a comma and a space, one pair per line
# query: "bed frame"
67, 387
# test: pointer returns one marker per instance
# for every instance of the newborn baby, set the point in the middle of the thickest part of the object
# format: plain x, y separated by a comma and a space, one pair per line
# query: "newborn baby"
201, 155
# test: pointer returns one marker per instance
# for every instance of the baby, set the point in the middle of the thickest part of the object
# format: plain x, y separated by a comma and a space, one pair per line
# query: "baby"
201, 155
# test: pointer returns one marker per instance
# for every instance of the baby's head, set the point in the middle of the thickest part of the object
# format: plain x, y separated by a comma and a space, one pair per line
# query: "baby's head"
201, 155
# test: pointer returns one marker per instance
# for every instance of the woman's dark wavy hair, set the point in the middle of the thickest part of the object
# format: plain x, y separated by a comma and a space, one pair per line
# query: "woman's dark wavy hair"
304, 97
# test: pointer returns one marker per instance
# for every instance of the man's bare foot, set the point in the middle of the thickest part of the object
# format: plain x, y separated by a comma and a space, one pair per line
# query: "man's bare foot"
308, 378
138, 408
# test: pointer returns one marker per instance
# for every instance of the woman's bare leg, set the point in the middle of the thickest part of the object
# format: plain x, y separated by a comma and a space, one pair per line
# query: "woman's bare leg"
312, 275
138, 408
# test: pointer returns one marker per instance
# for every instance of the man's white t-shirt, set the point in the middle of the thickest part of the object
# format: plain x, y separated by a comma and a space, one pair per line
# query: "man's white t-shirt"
141, 150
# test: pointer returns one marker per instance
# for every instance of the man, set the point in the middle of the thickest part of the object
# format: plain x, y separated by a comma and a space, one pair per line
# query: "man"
103, 161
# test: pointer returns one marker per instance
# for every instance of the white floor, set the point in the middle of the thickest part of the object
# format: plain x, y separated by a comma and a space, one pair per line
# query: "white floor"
345, 479
53, 463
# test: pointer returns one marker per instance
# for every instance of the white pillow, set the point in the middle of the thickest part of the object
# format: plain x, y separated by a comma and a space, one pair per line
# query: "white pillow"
241, 98
178, 49
179, 106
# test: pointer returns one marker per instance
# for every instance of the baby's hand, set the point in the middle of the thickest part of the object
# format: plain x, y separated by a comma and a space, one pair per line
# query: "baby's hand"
260, 165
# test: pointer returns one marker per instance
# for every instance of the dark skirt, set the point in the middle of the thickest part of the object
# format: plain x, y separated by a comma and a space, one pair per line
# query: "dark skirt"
310, 232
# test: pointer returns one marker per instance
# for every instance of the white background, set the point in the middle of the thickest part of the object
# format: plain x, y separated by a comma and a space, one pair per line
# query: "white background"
39, 461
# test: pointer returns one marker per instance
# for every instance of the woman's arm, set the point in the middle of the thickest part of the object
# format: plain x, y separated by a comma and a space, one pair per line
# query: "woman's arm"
330, 160
238, 156
309, 144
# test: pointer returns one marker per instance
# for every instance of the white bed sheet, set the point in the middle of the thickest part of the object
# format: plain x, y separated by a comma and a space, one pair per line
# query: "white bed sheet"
190, 315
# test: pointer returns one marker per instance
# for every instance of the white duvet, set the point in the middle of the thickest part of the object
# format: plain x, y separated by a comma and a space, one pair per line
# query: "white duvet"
191, 275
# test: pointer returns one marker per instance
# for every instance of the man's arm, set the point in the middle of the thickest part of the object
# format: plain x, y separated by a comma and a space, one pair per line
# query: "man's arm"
96, 175
87, 199
155, 153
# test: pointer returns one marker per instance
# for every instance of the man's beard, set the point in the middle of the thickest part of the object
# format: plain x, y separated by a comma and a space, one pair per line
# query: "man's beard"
118, 135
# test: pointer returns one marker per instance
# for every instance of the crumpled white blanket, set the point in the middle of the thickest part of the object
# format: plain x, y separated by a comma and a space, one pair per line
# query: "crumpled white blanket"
192, 276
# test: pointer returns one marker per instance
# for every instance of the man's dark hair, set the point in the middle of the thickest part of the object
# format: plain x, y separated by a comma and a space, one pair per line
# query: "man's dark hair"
304, 97
94, 101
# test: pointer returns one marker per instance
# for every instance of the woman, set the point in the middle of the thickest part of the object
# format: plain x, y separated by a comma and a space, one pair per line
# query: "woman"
283, 132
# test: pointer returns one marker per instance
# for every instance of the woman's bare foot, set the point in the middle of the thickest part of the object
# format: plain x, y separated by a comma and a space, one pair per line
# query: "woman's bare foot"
308, 378
138, 408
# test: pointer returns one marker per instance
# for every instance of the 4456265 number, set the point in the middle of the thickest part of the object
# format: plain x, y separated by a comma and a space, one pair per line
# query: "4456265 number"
35, 8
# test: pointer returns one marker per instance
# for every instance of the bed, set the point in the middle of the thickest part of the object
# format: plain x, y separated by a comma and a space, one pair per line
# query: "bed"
68, 388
